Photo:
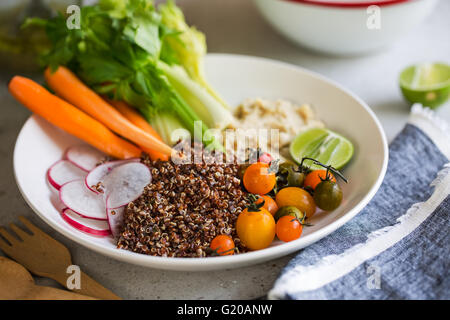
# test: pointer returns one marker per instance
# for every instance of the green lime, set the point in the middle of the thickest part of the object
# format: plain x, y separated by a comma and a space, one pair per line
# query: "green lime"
323, 145
426, 83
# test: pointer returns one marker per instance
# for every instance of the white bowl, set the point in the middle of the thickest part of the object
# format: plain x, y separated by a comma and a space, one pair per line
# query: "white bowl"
237, 77
340, 27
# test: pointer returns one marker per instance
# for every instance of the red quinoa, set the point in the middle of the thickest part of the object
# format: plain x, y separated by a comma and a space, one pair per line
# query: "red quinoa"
183, 209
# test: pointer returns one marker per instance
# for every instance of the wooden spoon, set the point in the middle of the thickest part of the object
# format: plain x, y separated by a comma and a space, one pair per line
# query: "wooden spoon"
16, 283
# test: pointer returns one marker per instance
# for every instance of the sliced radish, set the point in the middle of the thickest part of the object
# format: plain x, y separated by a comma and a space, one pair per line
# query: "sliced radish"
115, 219
84, 156
125, 183
99, 173
81, 200
90, 226
62, 172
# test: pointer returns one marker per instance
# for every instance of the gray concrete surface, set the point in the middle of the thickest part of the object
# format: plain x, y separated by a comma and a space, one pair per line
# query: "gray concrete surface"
234, 26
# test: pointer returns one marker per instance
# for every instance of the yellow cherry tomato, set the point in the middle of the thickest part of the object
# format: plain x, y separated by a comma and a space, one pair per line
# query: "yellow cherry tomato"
255, 229
297, 197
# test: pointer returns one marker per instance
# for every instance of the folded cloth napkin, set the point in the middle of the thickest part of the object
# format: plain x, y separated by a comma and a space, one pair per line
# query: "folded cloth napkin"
397, 247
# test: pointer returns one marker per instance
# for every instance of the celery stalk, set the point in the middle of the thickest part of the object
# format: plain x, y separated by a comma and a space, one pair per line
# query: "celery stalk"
189, 46
197, 97
166, 124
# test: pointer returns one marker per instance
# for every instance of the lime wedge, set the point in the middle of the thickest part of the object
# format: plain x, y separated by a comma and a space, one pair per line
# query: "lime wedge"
323, 145
426, 83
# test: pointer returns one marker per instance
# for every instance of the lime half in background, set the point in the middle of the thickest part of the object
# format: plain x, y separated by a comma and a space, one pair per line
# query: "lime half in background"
323, 145
426, 83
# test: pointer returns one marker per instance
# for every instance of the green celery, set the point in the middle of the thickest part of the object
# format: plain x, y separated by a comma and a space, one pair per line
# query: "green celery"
189, 46
118, 51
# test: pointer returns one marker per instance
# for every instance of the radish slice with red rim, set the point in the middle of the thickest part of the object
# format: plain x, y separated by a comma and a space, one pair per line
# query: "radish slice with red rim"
98, 174
125, 183
62, 172
115, 219
81, 200
90, 226
84, 156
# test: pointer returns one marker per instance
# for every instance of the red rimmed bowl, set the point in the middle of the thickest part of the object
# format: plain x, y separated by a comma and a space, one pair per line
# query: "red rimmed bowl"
344, 27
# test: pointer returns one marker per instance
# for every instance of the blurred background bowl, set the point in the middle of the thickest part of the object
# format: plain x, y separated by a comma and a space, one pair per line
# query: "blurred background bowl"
340, 27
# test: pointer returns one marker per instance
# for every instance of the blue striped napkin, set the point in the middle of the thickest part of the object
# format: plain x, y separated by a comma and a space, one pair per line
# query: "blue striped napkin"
398, 246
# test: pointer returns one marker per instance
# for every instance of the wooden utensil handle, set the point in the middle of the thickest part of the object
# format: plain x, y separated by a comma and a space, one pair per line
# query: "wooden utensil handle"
92, 288
89, 287
47, 293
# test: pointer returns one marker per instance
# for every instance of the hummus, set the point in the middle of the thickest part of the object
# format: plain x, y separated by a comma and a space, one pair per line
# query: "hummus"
286, 117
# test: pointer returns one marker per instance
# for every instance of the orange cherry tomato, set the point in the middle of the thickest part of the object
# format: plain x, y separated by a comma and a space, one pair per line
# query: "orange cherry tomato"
315, 177
223, 245
255, 229
297, 197
257, 178
269, 204
288, 228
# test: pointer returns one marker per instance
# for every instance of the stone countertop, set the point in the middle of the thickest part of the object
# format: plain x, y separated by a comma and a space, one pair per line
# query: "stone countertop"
234, 26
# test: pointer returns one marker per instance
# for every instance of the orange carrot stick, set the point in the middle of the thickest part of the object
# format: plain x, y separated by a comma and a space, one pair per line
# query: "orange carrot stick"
71, 89
135, 118
70, 119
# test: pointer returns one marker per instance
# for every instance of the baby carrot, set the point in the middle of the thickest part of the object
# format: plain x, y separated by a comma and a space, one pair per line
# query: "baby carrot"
70, 88
70, 119
135, 118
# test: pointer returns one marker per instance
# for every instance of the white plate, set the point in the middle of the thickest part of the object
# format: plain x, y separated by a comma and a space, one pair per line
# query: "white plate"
236, 77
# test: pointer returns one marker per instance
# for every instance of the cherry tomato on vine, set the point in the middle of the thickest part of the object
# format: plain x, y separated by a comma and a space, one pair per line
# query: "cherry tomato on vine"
289, 210
315, 177
328, 195
223, 245
265, 158
269, 204
289, 175
288, 228
258, 179
297, 197
255, 227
